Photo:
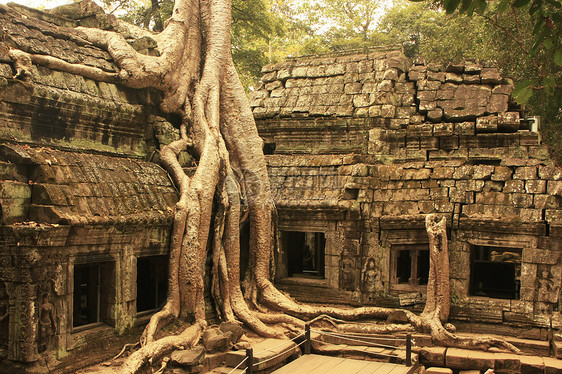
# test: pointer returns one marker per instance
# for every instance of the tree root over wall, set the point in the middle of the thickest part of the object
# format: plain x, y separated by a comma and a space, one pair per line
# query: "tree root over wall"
197, 76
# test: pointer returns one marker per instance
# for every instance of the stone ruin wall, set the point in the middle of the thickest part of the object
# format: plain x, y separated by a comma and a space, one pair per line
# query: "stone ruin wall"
362, 146
75, 190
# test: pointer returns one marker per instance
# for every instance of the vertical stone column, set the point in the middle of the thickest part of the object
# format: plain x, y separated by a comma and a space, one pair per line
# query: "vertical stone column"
22, 344
126, 290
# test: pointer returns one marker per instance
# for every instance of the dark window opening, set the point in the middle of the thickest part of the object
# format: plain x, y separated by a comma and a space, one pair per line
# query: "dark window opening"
350, 194
269, 148
495, 272
403, 267
92, 293
152, 282
305, 253
409, 266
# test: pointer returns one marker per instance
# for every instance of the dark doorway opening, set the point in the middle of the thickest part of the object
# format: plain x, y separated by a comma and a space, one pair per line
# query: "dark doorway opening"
92, 293
409, 266
152, 282
495, 272
305, 253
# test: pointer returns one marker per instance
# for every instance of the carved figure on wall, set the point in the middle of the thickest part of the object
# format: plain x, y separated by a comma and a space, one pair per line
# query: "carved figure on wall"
547, 290
348, 268
371, 277
46, 323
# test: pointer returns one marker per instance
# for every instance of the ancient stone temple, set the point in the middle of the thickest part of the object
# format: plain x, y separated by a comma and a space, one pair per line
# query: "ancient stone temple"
362, 146
85, 218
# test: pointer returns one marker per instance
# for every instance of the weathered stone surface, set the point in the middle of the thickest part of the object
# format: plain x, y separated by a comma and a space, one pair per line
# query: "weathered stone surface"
430, 356
233, 328
507, 363
437, 370
215, 340
189, 357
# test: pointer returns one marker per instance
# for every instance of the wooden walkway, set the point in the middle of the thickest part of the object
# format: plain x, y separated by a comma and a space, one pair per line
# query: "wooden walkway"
316, 364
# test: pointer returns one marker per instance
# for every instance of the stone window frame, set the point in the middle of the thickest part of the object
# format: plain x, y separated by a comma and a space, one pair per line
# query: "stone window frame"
415, 249
400, 235
107, 320
462, 241
517, 281
521, 242
308, 224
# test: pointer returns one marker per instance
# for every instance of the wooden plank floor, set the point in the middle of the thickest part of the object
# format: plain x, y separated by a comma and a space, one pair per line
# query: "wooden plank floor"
316, 364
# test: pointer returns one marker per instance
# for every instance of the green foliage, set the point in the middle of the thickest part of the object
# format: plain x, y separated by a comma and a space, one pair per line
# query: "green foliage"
254, 26
424, 30
543, 34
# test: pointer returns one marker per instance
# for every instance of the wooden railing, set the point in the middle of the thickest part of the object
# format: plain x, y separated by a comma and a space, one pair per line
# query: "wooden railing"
369, 341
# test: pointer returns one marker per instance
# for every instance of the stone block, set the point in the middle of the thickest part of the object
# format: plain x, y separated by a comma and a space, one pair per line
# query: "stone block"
437, 370
353, 88
552, 365
472, 68
453, 77
502, 173
557, 345
463, 172
425, 84
457, 358
481, 360
435, 115
425, 106
532, 365
521, 200
443, 173
554, 187
443, 129
449, 142
553, 216
487, 124
471, 78
550, 172
432, 356
525, 173
190, 357
491, 75
514, 186
507, 363
436, 76
269, 77
483, 171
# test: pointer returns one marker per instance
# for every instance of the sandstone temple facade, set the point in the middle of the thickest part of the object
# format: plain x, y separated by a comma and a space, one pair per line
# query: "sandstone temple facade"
360, 147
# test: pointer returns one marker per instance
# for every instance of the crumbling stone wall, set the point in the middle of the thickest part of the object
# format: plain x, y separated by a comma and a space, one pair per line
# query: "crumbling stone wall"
391, 141
60, 108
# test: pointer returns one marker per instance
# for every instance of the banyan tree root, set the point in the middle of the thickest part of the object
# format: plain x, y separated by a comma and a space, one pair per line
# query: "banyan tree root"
150, 353
367, 328
199, 83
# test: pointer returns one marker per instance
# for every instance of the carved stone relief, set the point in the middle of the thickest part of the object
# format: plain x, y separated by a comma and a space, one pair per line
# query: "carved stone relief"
47, 325
4, 321
349, 271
